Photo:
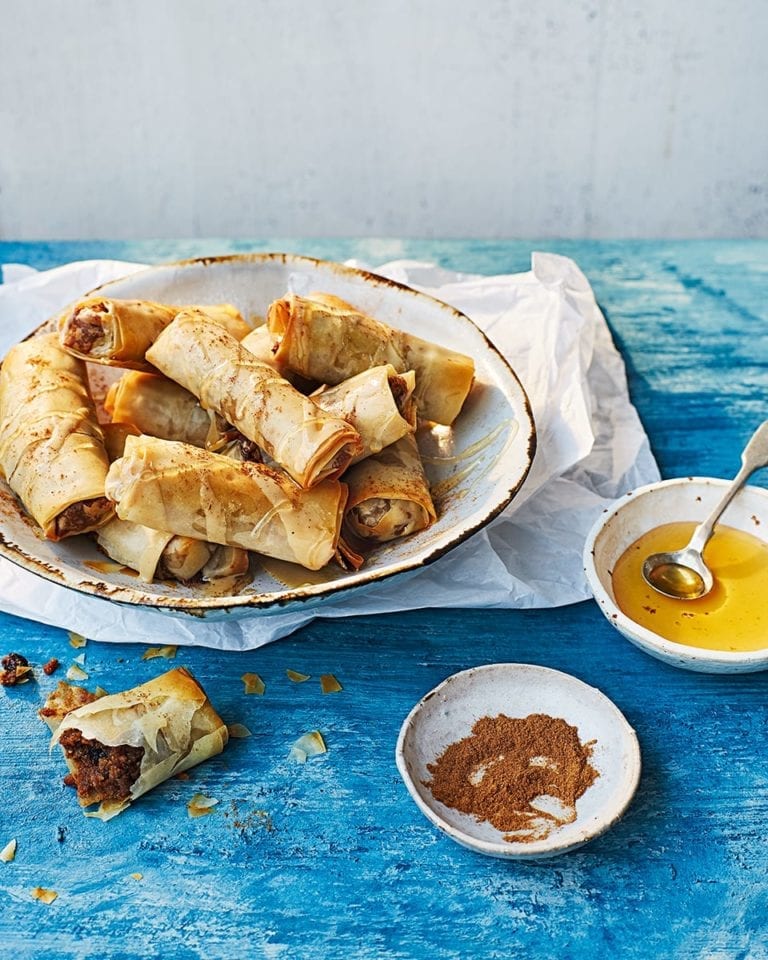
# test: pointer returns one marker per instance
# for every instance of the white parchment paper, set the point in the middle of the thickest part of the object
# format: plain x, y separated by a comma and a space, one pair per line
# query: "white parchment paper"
591, 449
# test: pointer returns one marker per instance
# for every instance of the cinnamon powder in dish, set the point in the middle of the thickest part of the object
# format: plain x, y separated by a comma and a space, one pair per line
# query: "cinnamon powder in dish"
522, 775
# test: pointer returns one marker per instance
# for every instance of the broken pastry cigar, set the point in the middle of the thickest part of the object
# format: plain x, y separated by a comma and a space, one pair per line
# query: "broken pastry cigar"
325, 339
306, 442
119, 332
378, 403
194, 493
51, 447
389, 494
119, 746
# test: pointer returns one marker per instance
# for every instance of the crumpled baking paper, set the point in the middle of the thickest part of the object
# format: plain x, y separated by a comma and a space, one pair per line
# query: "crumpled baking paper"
591, 449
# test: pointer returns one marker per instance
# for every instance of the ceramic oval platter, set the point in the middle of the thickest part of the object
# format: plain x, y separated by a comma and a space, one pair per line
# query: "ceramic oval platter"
475, 467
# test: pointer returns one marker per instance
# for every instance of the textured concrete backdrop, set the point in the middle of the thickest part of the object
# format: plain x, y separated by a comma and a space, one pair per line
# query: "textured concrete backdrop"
574, 118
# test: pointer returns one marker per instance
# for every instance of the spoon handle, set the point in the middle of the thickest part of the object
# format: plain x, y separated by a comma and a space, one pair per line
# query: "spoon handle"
755, 455
756, 451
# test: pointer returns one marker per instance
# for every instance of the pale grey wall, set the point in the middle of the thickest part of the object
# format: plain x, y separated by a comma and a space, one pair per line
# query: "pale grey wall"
409, 118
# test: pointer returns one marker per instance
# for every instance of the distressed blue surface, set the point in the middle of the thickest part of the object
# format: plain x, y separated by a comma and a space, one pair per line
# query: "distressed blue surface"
349, 866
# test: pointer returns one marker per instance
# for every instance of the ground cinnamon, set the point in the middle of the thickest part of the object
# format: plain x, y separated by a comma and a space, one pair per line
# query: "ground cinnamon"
523, 775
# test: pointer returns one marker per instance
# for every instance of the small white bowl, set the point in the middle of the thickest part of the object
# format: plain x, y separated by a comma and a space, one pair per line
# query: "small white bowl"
449, 712
690, 498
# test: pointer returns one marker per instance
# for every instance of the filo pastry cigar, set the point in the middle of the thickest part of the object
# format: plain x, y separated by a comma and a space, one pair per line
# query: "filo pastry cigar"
156, 554
325, 339
307, 443
159, 407
389, 494
152, 404
119, 332
159, 555
51, 448
191, 492
118, 747
378, 403
259, 343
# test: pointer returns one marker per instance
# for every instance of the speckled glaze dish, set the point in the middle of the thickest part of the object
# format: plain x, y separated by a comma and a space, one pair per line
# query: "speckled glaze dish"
448, 713
475, 467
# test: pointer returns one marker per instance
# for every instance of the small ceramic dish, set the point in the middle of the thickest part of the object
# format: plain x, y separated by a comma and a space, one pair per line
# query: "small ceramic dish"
448, 713
690, 498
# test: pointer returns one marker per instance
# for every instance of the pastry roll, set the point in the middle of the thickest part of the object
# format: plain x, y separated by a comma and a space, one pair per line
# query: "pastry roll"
389, 494
122, 745
259, 343
190, 492
226, 562
159, 407
159, 555
378, 403
51, 448
307, 443
119, 332
154, 554
325, 339
114, 438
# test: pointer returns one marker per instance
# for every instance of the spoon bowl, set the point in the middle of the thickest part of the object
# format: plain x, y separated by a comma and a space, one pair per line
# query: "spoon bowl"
682, 574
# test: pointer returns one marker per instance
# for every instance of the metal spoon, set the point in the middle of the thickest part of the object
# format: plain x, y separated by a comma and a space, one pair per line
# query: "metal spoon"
682, 574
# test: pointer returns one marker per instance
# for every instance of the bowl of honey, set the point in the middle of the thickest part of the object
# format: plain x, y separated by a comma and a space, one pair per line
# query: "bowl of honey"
725, 631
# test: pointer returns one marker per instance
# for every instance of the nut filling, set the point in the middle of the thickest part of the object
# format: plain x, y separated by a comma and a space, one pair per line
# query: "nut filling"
16, 669
86, 329
101, 772
399, 389
82, 516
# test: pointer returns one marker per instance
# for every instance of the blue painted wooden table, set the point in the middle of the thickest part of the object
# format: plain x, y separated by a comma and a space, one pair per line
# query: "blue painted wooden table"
332, 859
